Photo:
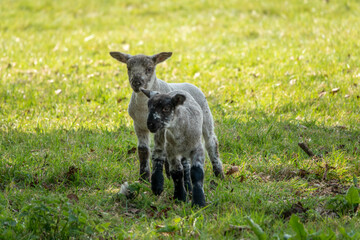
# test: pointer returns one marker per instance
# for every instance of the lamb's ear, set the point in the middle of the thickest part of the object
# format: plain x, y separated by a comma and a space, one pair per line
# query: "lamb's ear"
146, 92
121, 57
160, 57
178, 99
149, 93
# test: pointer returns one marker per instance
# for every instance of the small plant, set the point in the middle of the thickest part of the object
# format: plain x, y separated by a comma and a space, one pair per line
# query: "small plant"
349, 236
257, 229
55, 218
302, 234
50, 218
348, 203
8, 225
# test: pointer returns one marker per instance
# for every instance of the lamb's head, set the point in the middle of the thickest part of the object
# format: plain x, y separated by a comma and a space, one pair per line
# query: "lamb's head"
141, 68
161, 109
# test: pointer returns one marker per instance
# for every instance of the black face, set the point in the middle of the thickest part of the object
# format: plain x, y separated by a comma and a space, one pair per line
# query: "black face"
140, 69
161, 108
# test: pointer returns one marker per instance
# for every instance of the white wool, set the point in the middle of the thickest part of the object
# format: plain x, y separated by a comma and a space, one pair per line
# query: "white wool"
124, 189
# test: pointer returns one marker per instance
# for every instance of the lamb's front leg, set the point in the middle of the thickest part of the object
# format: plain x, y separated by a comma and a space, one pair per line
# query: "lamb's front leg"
158, 159
177, 174
197, 177
143, 152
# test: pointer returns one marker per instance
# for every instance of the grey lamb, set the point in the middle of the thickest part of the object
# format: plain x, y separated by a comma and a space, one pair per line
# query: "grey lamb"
141, 73
181, 118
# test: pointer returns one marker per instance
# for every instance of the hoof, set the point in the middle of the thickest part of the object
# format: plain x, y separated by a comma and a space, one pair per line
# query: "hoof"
200, 205
157, 183
157, 190
198, 199
179, 197
219, 173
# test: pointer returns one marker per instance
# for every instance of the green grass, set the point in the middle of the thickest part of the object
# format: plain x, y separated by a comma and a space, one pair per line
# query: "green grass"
262, 66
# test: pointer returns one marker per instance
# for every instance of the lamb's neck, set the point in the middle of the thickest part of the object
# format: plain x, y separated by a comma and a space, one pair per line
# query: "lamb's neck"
155, 84
173, 127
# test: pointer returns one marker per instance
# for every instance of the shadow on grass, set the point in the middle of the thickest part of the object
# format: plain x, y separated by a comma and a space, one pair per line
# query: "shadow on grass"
93, 158
268, 135
267, 144
67, 157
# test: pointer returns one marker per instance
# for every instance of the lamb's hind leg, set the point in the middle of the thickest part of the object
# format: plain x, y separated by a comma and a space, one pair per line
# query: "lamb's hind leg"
187, 177
143, 152
158, 159
197, 177
211, 144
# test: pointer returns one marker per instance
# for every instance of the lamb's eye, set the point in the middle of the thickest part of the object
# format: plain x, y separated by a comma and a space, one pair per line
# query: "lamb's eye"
166, 109
149, 70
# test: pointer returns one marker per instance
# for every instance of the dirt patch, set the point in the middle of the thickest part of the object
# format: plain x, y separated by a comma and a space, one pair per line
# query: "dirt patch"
131, 150
296, 208
154, 212
70, 175
328, 188
73, 197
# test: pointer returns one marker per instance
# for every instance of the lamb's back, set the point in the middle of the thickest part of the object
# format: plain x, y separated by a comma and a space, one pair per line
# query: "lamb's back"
194, 91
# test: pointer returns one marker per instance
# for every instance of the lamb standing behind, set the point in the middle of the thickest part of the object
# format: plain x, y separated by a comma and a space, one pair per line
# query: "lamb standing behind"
181, 117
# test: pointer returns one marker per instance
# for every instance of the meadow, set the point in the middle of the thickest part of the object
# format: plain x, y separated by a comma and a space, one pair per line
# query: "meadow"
275, 73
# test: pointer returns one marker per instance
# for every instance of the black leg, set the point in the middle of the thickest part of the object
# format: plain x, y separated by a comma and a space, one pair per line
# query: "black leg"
157, 178
197, 178
144, 153
178, 178
187, 178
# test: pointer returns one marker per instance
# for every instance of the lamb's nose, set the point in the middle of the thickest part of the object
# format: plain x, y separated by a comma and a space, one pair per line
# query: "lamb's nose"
137, 83
151, 126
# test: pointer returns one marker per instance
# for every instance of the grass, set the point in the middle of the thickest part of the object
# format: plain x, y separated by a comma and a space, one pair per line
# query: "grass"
268, 69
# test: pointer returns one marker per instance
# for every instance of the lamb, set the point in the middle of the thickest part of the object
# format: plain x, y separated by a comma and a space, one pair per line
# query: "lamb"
181, 118
141, 73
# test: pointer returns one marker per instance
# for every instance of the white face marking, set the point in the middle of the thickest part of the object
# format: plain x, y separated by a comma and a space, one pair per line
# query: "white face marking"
156, 115
172, 122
